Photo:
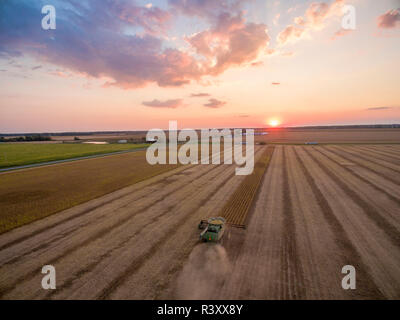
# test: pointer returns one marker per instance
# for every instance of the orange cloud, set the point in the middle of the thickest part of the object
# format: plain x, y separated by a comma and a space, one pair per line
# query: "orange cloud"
340, 33
230, 42
390, 19
314, 19
290, 33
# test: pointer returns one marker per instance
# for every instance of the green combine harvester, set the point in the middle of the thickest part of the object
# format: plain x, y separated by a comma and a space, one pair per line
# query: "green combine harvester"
214, 229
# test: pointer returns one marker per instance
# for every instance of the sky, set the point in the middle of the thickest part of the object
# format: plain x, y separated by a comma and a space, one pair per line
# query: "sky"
136, 65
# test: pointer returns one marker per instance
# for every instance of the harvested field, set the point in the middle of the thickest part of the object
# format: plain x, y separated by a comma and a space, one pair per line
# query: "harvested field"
237, 207
317, 209
344, 135
141, 234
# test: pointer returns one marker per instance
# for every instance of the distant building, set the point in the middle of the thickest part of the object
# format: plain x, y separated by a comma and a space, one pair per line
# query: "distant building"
122, 141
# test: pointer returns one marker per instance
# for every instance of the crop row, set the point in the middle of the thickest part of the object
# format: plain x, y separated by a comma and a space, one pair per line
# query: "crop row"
238, 206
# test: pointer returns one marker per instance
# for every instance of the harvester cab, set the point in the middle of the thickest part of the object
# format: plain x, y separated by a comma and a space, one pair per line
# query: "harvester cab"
214, 229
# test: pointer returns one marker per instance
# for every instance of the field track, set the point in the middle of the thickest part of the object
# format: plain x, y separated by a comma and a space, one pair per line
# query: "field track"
317, 209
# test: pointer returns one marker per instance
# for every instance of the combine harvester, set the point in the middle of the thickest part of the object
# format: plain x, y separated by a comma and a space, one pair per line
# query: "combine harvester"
214, 229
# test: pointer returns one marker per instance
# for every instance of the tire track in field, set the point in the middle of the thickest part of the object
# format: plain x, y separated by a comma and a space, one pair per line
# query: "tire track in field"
394, 149
376, 154
353, 158
138, 262
347, 249
370, 211
100, 233
258, 191
386, 164
361, 177
382, 152
292, 276
51, 241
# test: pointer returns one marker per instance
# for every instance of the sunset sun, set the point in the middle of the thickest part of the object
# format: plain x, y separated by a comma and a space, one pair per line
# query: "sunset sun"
273, 122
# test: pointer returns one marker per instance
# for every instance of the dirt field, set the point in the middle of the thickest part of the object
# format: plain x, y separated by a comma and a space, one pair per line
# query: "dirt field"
236, 208
278, 135
287, 135
317, 209
140, 234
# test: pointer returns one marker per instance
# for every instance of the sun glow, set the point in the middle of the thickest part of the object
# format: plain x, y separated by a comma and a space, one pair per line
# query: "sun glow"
273, 122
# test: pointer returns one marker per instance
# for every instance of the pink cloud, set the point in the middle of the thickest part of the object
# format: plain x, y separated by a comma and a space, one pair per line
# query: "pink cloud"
389, 20
154, 20
290, 33
314, 19
230, 42
214, 103
172, 103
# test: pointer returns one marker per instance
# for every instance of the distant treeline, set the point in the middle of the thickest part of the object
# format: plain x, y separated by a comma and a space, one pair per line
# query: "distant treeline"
37, 137
352, 126
60, 134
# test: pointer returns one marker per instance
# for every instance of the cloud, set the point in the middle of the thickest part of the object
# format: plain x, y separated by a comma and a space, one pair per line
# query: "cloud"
214, 103
379, 108
390, 19
257, 63
341, 33
123, 43
314, 18
36, 67
209, 9
230, 42
172, 103
287, 54
275, 83
196, 95
290, 33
